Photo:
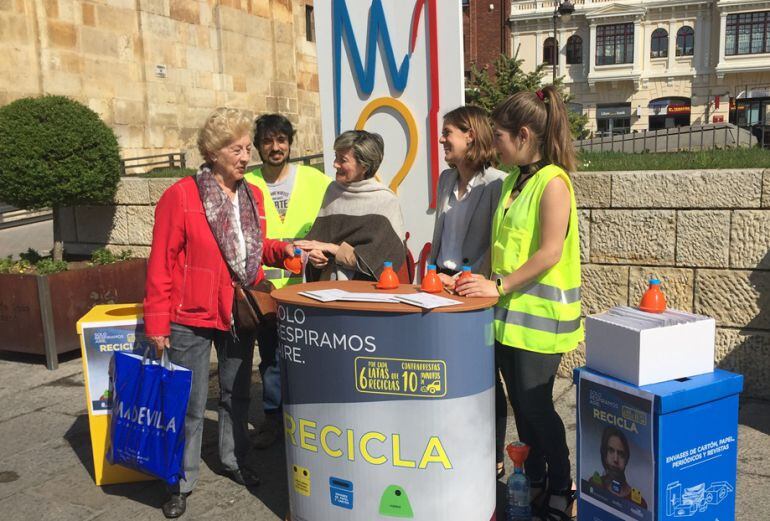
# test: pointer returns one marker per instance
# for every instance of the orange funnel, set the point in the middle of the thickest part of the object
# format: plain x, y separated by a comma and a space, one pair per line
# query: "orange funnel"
653, 300
294, 263
388, 278
518, 453
431, 283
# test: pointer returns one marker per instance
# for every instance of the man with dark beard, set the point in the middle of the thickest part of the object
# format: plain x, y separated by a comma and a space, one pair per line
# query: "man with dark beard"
615, 453
293, 194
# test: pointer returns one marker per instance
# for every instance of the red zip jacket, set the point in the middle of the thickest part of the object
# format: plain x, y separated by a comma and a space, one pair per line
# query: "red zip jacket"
187, 278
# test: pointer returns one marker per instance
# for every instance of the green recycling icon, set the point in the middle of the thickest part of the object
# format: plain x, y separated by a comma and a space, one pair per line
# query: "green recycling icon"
395, 503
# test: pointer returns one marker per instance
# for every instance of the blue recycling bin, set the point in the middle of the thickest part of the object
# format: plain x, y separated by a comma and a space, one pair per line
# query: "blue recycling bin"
666, 451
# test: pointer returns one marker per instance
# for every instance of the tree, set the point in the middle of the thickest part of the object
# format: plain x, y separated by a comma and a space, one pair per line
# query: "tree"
487, 91
56, 152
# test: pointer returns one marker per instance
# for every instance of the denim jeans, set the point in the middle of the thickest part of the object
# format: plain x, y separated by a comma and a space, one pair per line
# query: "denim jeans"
267, 338
191, 348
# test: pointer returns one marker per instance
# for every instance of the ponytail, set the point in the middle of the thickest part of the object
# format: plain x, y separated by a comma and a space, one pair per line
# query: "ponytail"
545, 115
557, 140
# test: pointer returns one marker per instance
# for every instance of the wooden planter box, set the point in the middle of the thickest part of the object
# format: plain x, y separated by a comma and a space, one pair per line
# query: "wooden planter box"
38, 312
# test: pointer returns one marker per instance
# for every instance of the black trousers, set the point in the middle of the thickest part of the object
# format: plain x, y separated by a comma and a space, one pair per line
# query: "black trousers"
267, 340
529, 378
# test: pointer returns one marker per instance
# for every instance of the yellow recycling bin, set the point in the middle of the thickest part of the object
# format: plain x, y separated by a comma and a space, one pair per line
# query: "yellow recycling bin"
103, 331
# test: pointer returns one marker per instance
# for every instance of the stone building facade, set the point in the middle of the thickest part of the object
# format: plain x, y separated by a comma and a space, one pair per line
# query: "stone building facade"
154, 69
705, 234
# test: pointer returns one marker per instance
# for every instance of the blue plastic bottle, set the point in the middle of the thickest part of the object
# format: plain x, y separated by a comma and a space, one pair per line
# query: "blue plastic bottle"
518, 508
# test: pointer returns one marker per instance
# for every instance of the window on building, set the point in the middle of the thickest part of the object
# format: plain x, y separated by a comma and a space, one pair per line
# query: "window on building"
659, 44
309, 23
685, 41
614, 44
549, 51
574, 50
747, 33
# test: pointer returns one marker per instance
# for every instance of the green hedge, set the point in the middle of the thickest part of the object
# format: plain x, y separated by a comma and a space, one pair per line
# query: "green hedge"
54, 152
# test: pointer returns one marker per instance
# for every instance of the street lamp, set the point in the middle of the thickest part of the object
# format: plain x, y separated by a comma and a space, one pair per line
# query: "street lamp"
561, 9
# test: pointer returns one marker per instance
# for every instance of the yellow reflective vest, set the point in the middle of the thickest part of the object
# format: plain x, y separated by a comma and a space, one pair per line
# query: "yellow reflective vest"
304, 202
543, 316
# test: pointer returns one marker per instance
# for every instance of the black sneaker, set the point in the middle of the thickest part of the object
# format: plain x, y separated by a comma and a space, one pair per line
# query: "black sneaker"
243, 476
175, 506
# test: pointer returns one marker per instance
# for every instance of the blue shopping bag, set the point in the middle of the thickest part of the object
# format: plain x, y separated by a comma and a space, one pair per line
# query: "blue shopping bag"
148, 411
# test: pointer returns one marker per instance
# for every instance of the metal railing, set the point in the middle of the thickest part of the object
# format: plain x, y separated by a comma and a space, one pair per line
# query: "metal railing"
11, 217
179, 160
171, 160
693, 138
305, 160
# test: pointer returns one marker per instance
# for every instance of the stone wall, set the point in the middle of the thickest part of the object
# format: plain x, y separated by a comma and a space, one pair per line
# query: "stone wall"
249, 54
125, 226
705, 234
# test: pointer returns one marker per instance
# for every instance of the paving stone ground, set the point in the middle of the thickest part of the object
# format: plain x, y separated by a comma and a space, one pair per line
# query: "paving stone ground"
46, 469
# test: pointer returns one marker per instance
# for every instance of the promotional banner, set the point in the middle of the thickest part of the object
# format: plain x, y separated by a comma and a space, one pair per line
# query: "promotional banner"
388, 415
616, 462
393, 67
101, 341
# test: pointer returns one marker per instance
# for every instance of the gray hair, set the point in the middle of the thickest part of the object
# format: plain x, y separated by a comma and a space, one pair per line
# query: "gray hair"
368, 148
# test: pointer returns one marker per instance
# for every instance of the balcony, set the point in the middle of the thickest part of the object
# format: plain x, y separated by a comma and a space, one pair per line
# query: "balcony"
523, 9
614, 73
743, 63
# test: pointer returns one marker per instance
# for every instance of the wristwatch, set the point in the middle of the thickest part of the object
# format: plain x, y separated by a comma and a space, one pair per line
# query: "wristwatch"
499, 284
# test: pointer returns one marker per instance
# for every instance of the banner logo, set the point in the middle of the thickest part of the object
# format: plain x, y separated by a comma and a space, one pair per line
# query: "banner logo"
397, 72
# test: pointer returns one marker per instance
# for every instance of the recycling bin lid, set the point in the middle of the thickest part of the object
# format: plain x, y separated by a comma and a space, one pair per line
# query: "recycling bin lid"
675, 395
113, 313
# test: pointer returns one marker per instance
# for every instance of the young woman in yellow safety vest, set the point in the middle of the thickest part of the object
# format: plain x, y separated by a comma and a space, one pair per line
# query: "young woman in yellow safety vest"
536, 275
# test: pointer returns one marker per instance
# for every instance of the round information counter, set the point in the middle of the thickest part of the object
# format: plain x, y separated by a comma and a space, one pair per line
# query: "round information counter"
388, 408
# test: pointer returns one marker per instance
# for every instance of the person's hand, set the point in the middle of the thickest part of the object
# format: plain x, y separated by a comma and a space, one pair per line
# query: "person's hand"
288, 250
447, 281
309, 245
476, 286
318, 259
318, 245
160, 343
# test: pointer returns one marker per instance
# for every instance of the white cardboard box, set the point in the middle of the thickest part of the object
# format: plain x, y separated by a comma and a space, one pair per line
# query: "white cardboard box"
645, 348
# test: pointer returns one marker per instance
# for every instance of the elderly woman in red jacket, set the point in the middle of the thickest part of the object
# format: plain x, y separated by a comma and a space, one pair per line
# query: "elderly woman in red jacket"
209, 235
